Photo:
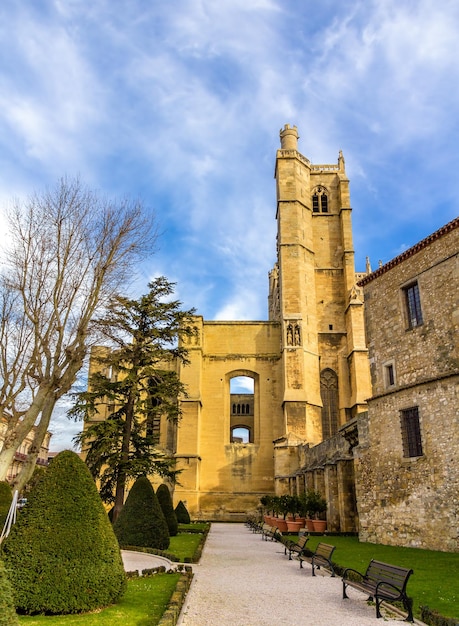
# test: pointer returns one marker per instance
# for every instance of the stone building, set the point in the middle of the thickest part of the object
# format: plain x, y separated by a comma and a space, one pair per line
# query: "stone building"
307, 366
406, 470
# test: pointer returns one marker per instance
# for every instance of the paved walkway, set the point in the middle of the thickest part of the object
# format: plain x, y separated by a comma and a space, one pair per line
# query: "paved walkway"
142, 560
244, 581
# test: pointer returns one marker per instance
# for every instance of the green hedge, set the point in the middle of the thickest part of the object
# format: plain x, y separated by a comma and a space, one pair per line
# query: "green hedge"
8, 615
62, 555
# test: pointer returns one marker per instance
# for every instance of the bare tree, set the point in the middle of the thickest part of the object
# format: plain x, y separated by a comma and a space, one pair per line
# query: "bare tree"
69, 252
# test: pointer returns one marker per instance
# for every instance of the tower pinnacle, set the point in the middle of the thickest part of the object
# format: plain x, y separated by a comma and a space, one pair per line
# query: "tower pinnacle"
289, 137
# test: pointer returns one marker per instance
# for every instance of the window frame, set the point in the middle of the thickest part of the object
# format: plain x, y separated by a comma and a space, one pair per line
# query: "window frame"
410, 424
413, 306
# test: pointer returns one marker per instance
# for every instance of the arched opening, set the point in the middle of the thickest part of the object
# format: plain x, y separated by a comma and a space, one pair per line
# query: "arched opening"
242, 409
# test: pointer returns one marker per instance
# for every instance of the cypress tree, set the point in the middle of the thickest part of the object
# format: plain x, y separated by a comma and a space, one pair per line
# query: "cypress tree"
62, 555
183, 517
165, 501
141, 522
8, 615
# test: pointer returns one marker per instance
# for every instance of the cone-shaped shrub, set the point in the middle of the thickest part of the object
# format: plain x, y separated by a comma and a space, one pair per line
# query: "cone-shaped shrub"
141, 522
62, 555
6, 498
165, 502
183, 517
8, 615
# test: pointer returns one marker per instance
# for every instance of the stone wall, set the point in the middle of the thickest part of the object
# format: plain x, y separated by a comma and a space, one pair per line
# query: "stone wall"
405, 499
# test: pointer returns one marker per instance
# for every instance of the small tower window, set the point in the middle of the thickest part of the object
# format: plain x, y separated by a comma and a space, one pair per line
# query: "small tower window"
320, 200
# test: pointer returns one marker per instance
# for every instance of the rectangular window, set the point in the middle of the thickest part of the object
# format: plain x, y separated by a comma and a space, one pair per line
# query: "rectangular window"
390, 375
315, 203
413, 305
411, 432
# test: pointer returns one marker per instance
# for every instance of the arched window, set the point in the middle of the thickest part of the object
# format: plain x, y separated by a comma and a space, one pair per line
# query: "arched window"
330, 405
320, 200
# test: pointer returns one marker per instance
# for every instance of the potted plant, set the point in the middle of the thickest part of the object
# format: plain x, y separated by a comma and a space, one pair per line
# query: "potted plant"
284, 503
293, 505
319, 506
267, 505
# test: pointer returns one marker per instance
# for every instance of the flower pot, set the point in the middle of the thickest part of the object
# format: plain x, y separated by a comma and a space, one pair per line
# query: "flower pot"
281, 525
310, 525
293, 526
320, 525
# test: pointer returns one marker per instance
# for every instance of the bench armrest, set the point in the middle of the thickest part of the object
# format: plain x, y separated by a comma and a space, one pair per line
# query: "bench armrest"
353, 571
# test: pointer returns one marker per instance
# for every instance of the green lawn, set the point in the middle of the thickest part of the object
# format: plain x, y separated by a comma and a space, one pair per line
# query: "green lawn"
184, 545
143, 604
434, 583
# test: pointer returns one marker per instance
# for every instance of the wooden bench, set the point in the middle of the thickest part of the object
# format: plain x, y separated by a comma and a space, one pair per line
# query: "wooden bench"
298, 546
270, 531
382, 582
321, 557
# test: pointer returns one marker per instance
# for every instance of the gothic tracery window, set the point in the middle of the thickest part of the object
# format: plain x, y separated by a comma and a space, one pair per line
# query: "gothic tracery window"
320, 200
329, 395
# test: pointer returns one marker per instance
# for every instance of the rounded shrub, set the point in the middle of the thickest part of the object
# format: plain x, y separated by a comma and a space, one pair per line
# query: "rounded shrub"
8, 615
141, 522
6, 498
165, 502
183, 517
62, 555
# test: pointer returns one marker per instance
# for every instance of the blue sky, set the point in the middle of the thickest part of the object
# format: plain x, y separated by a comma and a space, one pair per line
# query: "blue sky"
180, 103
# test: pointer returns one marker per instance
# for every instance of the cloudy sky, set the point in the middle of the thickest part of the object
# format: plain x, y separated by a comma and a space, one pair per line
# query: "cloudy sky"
180, 103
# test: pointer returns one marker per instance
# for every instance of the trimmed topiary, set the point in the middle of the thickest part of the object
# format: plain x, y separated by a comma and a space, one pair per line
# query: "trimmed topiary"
165, 502
183, 517
62, 555
6, 497
8, 615
141, 521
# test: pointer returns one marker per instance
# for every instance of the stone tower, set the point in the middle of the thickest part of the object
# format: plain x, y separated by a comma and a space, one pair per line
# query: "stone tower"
313, 295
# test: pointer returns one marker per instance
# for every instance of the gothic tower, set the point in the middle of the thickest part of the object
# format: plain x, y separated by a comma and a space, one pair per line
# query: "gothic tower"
313, 295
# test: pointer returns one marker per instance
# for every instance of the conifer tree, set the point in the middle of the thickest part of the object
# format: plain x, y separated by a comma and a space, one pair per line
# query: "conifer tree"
136, 384
62, 555
183, 517
141, 522
165, 502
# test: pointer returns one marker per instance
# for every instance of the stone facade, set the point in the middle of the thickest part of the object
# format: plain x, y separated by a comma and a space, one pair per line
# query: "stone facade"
308, 363
407, 477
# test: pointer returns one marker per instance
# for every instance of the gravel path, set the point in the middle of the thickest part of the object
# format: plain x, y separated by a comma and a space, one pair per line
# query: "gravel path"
244, 581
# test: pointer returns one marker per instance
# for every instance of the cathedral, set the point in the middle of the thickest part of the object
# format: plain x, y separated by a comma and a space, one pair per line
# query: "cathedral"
258, 392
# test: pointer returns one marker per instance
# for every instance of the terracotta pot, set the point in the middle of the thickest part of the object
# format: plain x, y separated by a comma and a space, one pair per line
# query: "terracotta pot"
282, 525
293, 526
320, 525
310, 524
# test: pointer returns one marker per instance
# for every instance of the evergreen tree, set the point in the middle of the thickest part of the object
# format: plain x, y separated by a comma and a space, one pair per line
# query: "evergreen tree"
62, 555
136, 384
141, 522
183, 517
8, 615
165, 502
6, 498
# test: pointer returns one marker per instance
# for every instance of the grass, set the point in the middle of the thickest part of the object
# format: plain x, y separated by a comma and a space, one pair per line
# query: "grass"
184, 545
434, 583
143, 604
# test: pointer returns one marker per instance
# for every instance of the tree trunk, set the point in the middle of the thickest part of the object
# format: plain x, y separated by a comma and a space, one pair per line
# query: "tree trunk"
121, 480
